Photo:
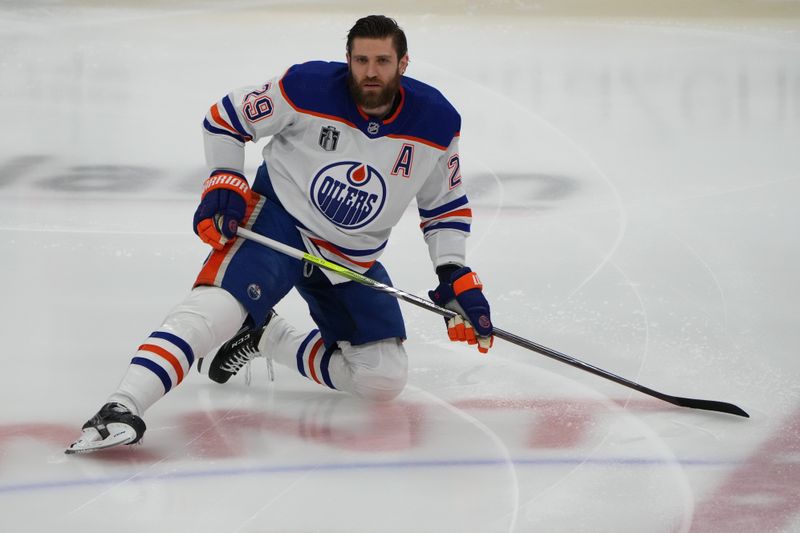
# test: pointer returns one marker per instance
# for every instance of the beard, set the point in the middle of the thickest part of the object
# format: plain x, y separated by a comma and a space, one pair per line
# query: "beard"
372, 99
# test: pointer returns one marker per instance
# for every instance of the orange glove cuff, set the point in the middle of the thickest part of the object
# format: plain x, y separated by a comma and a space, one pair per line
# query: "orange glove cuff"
224, 180
467, 282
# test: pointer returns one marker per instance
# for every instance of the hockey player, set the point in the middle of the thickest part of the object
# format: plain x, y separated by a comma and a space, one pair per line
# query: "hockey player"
352, 145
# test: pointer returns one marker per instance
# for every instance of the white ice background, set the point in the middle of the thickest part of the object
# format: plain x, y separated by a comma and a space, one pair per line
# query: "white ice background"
635, 190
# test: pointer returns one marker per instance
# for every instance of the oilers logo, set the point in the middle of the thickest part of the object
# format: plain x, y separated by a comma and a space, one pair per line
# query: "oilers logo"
350, 194
254, 291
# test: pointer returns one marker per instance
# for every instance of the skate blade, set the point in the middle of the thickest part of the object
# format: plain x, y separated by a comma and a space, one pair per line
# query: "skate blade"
90, 440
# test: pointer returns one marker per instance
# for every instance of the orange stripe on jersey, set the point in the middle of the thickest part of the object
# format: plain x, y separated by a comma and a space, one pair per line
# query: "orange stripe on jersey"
332, 249
314, 352
171, 359
457, 213
221, 121
361, 112
399, 107
391, 119
419, 140
312, 113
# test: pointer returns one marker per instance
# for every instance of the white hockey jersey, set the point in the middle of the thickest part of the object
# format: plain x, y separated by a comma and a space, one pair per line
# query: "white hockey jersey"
346, 177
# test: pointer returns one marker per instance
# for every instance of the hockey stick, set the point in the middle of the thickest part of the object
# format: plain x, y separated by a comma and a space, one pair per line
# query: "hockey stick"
708, 405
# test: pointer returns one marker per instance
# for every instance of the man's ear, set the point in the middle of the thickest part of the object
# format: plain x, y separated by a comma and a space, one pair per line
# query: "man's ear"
403, 64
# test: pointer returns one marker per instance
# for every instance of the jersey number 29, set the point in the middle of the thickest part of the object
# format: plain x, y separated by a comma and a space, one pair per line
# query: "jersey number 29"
257, 105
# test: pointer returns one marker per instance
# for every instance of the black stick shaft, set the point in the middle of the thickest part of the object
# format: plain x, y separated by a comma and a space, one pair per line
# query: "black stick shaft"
708, 405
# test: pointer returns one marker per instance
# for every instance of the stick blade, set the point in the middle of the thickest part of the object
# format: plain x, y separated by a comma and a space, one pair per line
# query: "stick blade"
709, 405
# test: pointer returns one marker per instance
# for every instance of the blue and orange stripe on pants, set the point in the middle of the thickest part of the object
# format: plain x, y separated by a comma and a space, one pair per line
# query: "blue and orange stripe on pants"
215, 265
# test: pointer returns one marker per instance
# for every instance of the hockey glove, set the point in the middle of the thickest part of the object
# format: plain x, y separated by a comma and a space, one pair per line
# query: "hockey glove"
222, 208
461, 291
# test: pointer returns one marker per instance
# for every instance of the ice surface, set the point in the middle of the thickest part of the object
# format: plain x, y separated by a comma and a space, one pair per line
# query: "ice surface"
634, 185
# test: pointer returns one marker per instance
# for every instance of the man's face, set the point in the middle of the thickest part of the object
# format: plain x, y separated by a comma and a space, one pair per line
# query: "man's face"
374, 72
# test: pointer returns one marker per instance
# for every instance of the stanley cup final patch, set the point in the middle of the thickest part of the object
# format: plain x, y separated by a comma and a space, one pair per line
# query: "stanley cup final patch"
328, 138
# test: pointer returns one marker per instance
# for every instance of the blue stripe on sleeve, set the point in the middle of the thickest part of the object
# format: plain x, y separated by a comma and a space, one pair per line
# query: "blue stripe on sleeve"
228, 105
177, 341
219, 131
449, 206
461, 226
155, 369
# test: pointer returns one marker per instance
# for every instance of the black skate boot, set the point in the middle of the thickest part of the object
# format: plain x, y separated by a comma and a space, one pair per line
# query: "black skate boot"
113, 425
237, 352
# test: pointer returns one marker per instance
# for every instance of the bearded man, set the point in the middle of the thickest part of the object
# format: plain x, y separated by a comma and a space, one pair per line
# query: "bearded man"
351, 145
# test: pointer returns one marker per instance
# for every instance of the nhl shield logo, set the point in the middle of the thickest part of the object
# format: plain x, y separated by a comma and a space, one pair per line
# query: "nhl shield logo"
328, 138
350, 194
373, 127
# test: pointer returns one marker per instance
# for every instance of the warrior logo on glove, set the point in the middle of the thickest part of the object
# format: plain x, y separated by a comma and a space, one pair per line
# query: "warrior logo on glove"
222, 208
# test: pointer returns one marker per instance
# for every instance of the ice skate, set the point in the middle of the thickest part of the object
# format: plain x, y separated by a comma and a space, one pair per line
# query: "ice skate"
113, 425
239, 351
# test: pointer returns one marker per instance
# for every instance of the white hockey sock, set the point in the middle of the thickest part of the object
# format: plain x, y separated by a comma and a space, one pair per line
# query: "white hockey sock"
206, 318
376, 370
304, 352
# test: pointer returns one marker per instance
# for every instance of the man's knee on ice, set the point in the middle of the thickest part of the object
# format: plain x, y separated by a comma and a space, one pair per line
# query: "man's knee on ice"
380, 369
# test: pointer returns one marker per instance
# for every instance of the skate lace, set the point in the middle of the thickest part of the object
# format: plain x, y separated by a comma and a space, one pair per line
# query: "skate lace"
248, 376
238, 359
243, 357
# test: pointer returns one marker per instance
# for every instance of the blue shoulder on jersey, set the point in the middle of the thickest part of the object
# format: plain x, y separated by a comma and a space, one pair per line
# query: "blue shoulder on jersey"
320, 88
427, 114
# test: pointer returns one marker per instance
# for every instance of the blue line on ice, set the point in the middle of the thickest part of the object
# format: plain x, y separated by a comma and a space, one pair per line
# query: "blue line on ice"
364, 466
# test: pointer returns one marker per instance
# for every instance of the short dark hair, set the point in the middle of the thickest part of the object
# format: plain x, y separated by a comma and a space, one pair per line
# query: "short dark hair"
378, 27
